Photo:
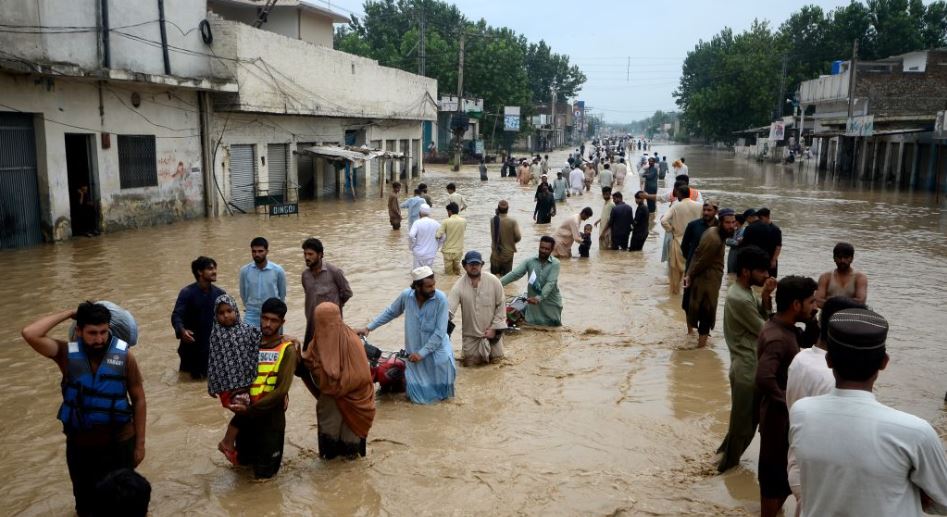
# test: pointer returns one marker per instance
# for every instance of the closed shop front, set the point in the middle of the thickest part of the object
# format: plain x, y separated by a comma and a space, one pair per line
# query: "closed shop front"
242, 177
19, 195
277, 156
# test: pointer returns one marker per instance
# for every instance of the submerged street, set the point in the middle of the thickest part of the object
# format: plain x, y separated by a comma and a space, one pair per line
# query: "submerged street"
614, 413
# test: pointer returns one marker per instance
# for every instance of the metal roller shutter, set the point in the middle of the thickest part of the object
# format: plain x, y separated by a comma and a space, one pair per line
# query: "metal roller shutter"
277, 155
19, 195
242, 177
328, 179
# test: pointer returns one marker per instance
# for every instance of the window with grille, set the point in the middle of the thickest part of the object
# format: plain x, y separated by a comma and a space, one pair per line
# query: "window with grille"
137, 164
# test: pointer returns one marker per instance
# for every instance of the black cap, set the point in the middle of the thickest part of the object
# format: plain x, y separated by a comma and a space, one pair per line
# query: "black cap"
749, 212
763, 212
858, 329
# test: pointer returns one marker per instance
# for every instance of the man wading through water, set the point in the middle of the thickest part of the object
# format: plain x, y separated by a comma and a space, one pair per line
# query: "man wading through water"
705, 274
480, 297
103, 409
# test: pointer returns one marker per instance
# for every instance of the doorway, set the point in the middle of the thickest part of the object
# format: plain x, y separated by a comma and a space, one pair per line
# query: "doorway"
83, 194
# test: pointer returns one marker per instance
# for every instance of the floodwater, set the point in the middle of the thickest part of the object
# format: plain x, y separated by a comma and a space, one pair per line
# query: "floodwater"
616, 413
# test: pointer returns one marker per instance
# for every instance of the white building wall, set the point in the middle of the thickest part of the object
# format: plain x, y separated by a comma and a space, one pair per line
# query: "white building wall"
282, 75
72, 106
134, 41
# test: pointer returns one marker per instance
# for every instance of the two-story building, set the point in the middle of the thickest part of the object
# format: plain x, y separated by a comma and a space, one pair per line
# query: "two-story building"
121, 114
890, 136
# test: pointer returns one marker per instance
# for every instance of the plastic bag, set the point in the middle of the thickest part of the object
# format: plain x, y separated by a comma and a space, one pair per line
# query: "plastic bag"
123, 324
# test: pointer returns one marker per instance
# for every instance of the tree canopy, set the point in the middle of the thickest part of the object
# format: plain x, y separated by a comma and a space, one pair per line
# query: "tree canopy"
732, 82
500, 66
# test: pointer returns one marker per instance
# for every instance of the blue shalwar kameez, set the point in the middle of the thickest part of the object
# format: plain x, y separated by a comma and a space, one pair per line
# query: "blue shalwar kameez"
425, 334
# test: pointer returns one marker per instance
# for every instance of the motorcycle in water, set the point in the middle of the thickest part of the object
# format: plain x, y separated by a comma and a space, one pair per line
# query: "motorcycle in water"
516, 311
387, 368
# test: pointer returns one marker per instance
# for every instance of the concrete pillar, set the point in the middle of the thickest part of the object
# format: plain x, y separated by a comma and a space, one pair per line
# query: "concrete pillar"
898, 167
319, 173
914, 162
886, 167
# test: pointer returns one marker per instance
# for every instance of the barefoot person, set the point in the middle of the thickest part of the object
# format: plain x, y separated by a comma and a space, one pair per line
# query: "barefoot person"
103, 409
705, 274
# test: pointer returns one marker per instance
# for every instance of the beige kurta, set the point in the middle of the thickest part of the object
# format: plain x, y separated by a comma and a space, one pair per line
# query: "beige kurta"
675, 221
482, 308
566, 236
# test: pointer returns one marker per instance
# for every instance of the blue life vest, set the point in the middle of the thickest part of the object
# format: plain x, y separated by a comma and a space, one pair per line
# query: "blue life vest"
95, 399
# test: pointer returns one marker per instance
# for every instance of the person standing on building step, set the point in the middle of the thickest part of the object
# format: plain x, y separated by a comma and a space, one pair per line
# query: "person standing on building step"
260, 280
103, 411
193, 317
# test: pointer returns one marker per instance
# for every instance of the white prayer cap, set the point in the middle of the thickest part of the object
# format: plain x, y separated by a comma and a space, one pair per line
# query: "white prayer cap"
425, 209
420, 273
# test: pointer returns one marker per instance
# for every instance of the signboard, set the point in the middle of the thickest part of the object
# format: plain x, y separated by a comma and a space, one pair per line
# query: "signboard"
284, 209
777, 131
860, 126
478, 147
511, 118
940, 125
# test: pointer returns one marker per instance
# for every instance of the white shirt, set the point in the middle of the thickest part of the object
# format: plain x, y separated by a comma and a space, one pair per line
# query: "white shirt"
858, 457
577, 179
809, 376
421, 238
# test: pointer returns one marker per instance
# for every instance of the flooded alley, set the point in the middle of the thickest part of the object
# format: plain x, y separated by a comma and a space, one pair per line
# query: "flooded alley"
616, 413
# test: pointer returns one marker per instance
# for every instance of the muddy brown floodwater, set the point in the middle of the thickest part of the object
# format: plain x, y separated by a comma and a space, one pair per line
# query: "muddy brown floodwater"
615, 413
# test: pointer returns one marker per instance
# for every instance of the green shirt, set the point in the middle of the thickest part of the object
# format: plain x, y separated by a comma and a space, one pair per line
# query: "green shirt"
545, 285
743, 317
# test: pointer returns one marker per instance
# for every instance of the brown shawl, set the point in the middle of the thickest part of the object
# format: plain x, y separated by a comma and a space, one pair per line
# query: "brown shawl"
340, 367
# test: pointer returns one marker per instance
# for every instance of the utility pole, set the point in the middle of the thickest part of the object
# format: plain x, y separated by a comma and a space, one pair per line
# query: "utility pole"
459, 132
422, 51
552, 114
851, 101
778, 112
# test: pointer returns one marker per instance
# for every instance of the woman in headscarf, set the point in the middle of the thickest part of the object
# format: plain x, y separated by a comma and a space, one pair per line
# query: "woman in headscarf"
345, 405
545, 205
232, 363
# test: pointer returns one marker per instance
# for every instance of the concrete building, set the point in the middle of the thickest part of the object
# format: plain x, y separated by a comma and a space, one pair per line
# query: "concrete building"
890, 138
120, 114
92, 97
295, 93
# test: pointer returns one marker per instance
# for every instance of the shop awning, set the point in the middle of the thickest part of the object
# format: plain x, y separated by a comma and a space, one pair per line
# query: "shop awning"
350, 153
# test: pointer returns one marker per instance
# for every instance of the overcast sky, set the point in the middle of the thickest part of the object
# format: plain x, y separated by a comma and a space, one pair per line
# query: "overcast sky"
656, 36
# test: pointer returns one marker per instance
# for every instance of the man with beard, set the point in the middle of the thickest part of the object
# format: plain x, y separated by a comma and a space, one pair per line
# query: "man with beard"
620, 222
480, 297
705, 274
103, 410
260, 280
504, 234
605, 232
322, 282
544, 302
262, 423
193, 317
675, 222
696, 228
639, 232
430, 371
649, 180
844, 281
777, 345
743, 317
